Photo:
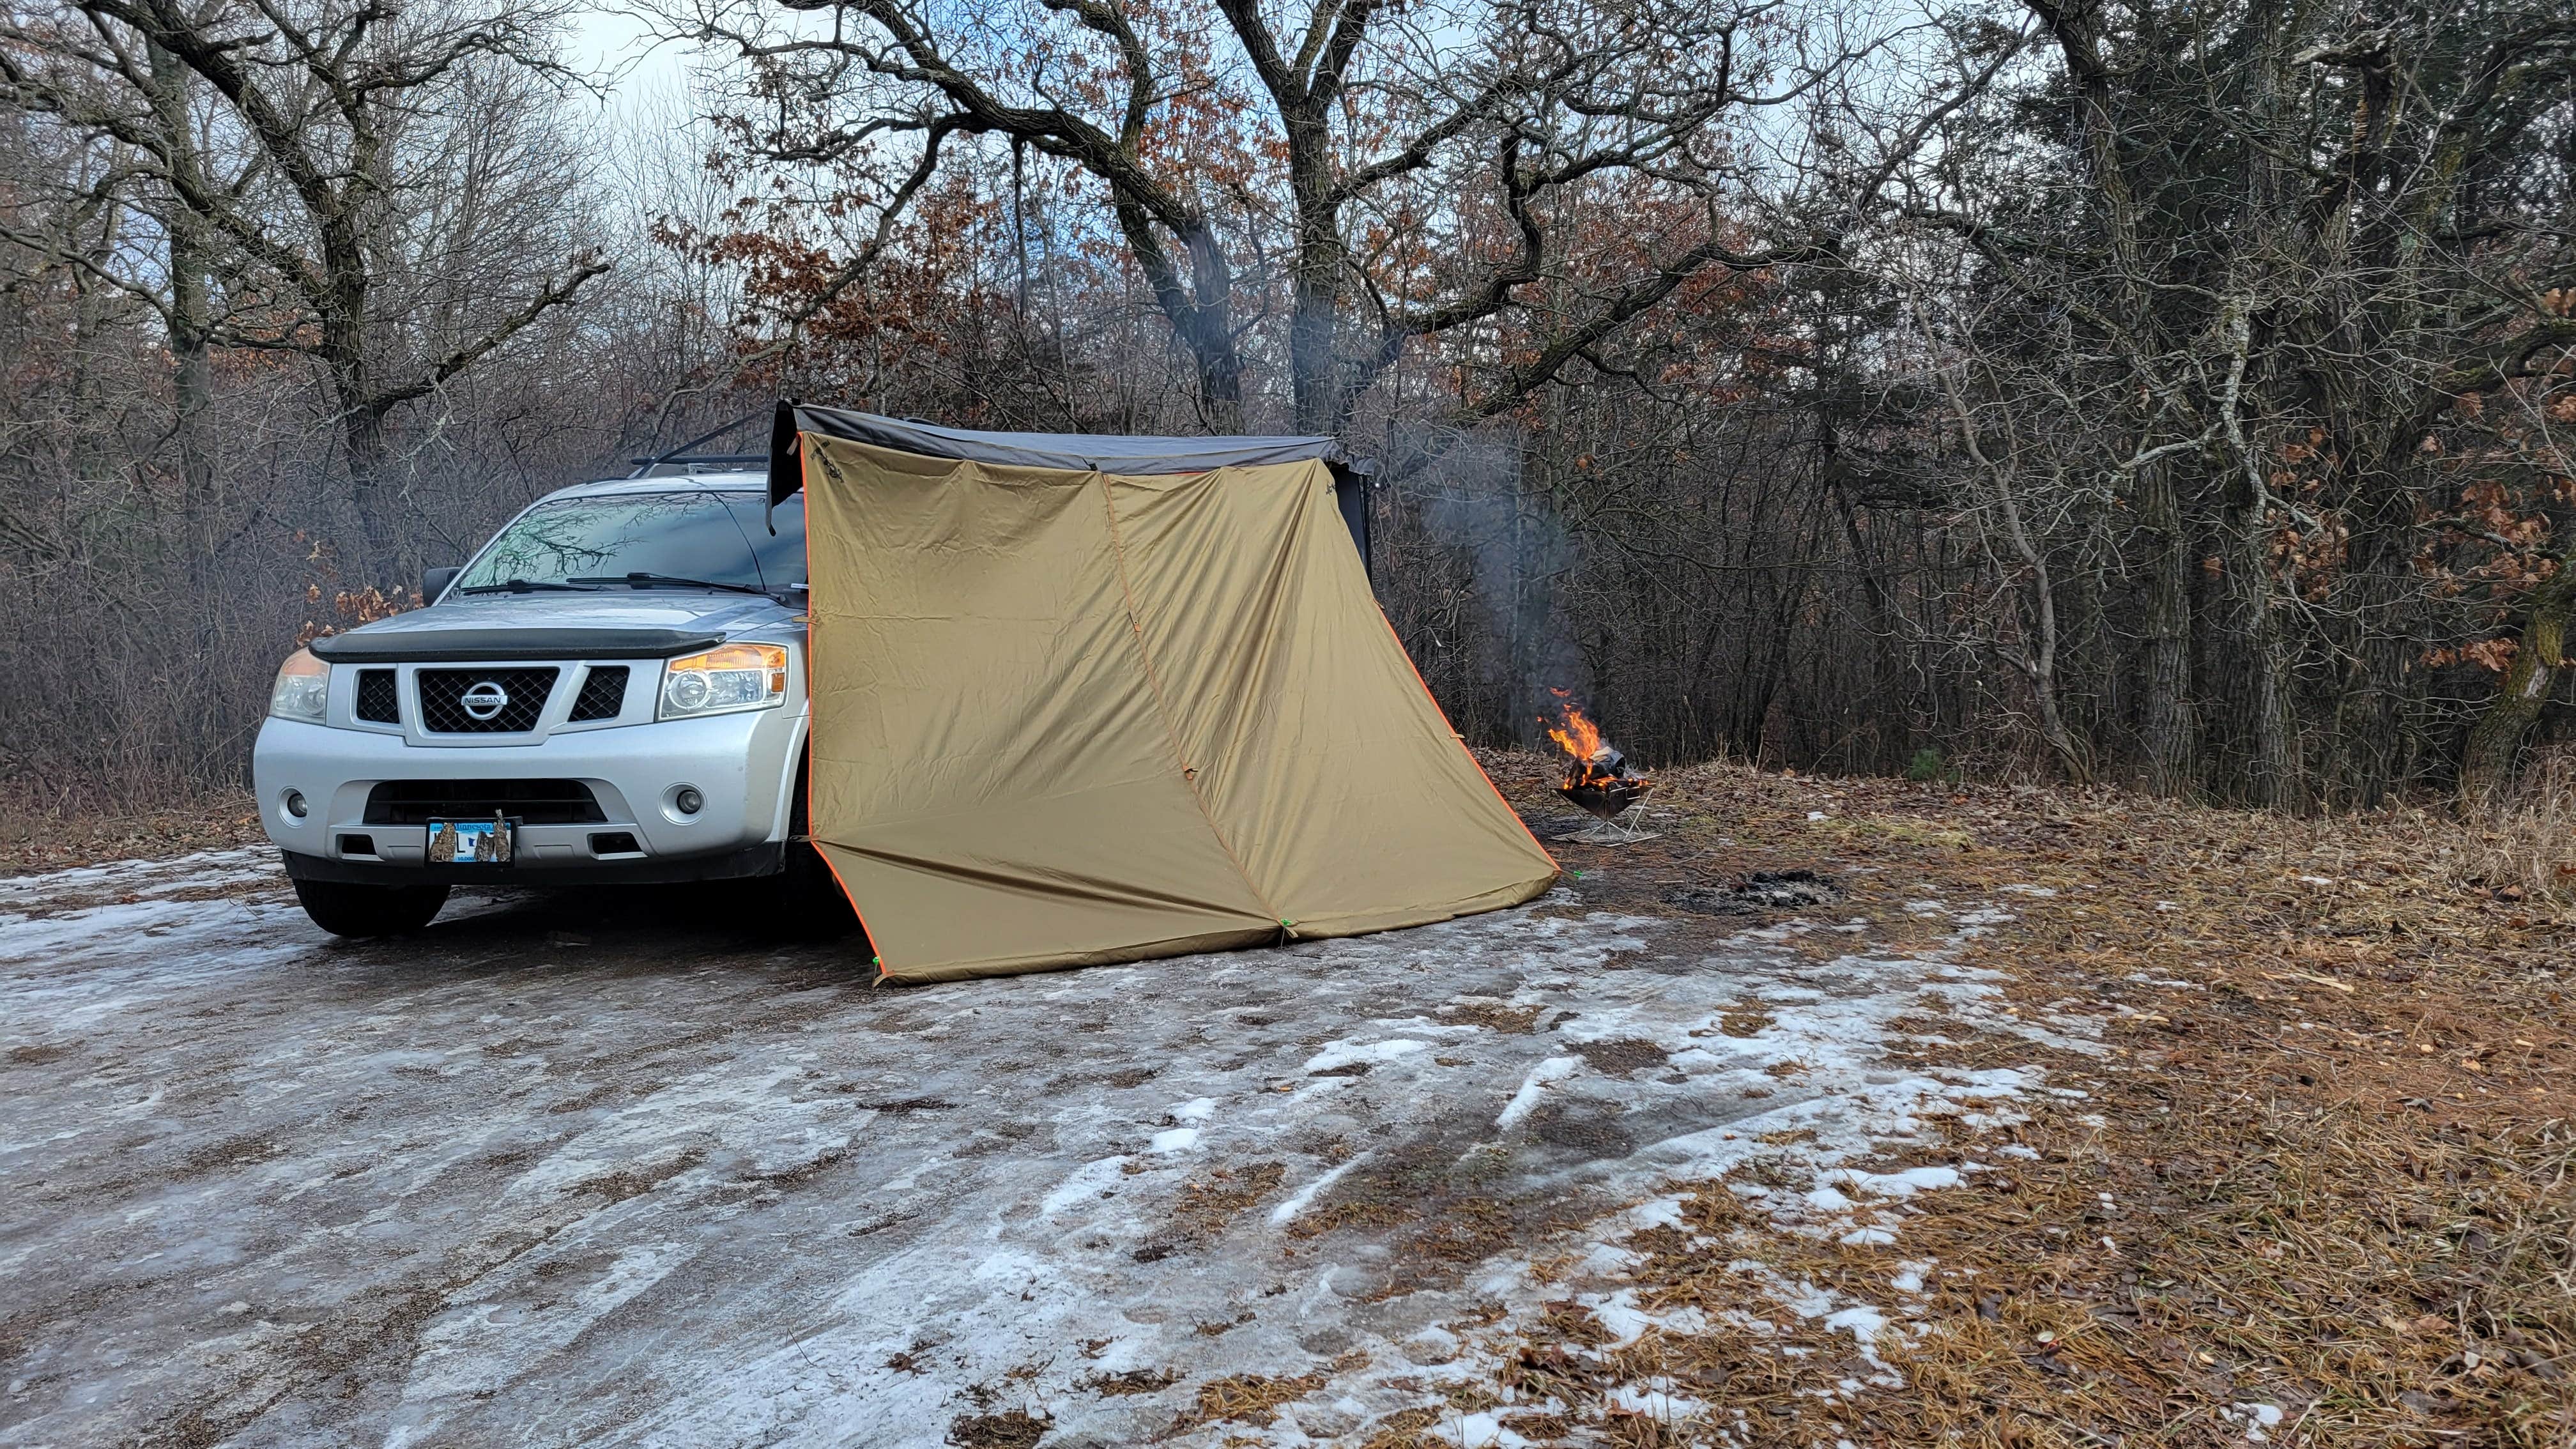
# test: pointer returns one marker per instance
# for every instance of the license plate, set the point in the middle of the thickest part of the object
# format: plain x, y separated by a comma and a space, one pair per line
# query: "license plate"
470, 842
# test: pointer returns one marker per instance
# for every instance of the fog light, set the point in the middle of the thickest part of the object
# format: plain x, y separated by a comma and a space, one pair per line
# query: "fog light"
294, 803
689, 800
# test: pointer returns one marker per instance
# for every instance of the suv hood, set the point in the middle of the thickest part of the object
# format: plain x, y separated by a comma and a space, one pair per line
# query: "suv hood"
609, 624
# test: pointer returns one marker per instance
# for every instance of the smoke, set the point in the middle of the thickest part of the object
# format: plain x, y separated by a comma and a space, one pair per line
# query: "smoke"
1474, 500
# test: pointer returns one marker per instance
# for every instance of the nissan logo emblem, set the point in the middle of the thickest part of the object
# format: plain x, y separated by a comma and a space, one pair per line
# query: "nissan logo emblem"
484, 700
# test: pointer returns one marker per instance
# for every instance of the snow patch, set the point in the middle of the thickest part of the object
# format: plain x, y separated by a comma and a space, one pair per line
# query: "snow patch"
1526, 1100
1346, 1054
1297, 1201
1086, 1184
950, 1114
1660, 1405
1479, 1431
1895, 1184
2257, 1419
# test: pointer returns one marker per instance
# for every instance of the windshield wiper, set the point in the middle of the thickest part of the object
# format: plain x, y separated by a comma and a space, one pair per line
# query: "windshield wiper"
525, 586
646, 581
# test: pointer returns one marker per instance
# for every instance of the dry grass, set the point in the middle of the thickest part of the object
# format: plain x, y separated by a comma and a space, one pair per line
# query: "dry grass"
1010, 1429
1132, 1381
2527, 843
1208, 1203
1249, 1398
2330, 1165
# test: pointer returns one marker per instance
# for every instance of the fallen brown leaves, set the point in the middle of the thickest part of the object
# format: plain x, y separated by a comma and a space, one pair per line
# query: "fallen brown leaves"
36, 838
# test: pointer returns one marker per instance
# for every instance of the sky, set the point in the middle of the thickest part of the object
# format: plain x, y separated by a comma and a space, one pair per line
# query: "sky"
612, 40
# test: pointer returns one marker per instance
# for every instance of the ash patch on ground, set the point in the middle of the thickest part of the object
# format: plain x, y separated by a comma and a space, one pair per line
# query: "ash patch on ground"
1762, 891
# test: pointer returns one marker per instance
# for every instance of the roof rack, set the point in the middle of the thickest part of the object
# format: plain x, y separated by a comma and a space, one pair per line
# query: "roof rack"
666, 466
680, 461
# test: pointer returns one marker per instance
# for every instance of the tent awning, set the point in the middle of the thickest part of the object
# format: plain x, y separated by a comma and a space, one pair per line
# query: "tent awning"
1128, 455
1064, 715
1078, 452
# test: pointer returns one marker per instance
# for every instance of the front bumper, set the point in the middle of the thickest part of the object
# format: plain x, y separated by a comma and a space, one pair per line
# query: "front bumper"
743, 765
758, 860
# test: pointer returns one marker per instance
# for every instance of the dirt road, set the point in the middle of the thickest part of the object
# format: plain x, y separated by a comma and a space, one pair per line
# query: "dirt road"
608, 1171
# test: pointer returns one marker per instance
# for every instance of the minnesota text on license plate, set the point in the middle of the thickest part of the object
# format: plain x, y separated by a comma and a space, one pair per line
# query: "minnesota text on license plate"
469, 842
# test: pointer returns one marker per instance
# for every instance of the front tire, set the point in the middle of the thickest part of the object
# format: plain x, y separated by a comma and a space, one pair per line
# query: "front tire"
344, 909
806, 903
805, 900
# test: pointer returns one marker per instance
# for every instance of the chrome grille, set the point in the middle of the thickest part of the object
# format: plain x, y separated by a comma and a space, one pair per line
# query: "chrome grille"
603, 694
379, 701
446, 693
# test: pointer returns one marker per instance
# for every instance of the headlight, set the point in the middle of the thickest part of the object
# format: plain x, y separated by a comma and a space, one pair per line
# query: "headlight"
722, 681
303, 682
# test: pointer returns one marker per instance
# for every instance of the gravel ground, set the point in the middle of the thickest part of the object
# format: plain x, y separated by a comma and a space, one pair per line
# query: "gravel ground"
603, 1169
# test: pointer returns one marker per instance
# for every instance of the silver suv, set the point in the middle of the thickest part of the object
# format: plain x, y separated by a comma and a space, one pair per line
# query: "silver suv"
611, 690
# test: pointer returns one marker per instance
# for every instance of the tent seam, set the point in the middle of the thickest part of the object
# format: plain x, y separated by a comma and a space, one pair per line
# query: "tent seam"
806, 460
1163, 708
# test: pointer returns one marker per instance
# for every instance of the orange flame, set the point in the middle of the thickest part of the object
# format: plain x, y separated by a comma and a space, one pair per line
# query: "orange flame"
1581, 740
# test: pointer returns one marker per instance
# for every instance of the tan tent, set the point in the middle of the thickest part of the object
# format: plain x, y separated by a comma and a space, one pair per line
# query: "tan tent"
1074, 703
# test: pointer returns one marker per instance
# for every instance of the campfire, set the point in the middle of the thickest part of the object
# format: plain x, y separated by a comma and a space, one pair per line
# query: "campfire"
1597, 777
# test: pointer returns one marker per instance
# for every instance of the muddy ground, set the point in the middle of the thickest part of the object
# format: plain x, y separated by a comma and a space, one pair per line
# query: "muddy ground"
608, 1169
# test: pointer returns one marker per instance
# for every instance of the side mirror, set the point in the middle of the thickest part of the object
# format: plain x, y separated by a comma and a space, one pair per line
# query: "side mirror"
434, 582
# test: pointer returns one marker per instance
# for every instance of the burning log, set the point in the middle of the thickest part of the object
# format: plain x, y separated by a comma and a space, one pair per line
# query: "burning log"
1598, 778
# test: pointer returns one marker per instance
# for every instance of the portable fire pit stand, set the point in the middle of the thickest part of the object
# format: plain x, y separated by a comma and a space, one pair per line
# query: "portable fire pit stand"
1607, 802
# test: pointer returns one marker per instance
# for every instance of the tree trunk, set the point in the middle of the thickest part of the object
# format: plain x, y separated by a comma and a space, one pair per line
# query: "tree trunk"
2037, 606
2087, 687
1210, 335
2271, 765
362, 414
2379, 635
1199, 308
1890, 741
2165, 722
191, 317
379, 524
2487, 765
1315, 372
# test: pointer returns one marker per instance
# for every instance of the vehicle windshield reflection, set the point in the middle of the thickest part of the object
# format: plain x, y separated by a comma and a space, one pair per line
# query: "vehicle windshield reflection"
722, 538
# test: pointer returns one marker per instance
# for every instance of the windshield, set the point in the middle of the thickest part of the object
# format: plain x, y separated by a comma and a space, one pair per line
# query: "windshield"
720, 538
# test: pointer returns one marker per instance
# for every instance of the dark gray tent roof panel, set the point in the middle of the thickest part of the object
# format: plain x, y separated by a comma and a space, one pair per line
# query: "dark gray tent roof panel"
1090, 452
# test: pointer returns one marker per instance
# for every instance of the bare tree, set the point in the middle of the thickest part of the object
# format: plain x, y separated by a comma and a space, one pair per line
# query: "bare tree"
2181, 399
2287, 248
1518, 180
317, 158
